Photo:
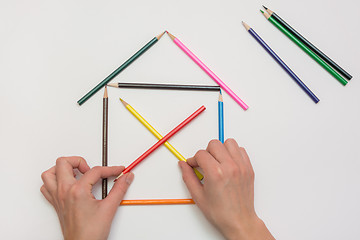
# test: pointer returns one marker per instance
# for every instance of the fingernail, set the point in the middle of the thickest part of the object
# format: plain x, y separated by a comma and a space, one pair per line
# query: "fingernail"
129, 178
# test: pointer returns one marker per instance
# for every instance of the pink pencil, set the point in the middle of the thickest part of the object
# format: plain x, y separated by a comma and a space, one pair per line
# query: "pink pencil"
208, 71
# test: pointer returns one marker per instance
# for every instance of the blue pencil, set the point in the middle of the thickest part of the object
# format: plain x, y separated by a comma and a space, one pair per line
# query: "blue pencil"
284, 66
221, 118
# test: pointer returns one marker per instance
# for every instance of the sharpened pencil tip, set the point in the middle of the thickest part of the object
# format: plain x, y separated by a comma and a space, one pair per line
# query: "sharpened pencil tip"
247, 27
261, 11
105, 93
265, 7
112, 85
170, 35
123, 102
160, 35
220, 97
118, 177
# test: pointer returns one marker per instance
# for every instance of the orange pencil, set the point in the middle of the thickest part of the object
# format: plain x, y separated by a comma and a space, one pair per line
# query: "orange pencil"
157, 202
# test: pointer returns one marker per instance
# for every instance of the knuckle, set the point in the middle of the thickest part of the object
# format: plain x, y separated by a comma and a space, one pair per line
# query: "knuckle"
96, 169
214, 143
42, 189
242, 149
44, 175
218, 173
234, 170
230, 141
60, 160
76, 191
200, 154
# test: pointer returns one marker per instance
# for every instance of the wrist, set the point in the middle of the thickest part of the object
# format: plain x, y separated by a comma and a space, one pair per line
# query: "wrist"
253, 229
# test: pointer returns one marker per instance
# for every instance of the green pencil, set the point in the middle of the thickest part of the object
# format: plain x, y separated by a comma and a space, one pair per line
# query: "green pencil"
119, 69
305, 49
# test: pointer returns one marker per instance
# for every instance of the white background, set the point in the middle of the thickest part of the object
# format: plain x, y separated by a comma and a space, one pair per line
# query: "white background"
306, 156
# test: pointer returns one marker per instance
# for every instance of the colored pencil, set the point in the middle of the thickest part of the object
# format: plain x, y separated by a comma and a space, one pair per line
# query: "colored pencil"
157, 202
162, 141
282, 64
120, 69
157, 135
309, 44
221, 118
105, 141
165, 86
306, 49
208, 71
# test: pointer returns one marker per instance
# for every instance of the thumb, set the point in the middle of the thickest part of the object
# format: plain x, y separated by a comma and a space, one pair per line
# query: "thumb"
119, 189
192, 182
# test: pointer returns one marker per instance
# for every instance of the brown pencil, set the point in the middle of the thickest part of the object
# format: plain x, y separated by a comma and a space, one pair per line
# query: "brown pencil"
105, 141
157, 202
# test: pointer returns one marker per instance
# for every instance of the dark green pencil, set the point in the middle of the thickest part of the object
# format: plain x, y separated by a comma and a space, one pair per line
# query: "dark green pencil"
306, 49
309, 44
120, 69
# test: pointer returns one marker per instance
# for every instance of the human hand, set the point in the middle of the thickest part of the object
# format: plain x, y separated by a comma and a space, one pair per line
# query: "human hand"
81, 215
227, 196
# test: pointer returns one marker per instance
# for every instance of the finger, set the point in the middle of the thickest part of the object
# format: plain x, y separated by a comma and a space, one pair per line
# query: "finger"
218, 151
49, 179
46, 194
191, 182
92, 176
204, 160
65, 165
237, 153
245, 157
117, 193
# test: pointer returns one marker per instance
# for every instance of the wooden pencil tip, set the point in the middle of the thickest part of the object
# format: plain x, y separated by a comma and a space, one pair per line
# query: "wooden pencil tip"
105, 93
247, 27
118, 177
265, 7
112, 85
123, 102
170, 35
160, 35
266, 15
220, 97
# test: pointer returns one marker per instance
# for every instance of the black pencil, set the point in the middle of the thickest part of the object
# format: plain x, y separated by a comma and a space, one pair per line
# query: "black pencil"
165, 86
308, 44
105, 141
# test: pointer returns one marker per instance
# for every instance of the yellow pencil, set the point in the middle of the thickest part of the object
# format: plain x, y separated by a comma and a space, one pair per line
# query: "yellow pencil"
158, 135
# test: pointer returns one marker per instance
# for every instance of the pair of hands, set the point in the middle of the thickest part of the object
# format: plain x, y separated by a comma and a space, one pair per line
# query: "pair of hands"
226, 197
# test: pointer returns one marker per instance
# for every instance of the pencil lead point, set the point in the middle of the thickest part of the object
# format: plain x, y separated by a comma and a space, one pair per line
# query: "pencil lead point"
265, 7
261, 11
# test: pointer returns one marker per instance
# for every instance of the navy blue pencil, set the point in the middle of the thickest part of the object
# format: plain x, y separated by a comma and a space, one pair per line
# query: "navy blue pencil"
284, 66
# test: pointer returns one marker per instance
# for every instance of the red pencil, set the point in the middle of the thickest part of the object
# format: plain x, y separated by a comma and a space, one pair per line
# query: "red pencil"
161, 141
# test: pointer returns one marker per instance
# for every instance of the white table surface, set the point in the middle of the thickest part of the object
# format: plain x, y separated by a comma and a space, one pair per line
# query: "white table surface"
306, 156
